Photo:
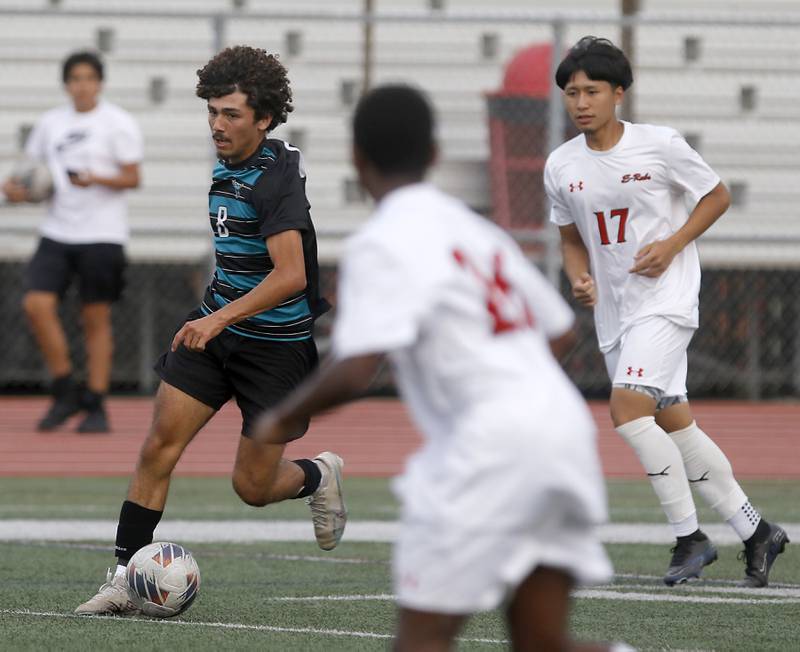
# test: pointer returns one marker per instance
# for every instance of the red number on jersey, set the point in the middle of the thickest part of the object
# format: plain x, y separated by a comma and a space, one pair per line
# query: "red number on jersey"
508, 309
622, 214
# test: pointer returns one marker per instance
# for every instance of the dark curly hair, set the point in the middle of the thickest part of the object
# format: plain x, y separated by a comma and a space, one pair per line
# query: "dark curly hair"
253, 72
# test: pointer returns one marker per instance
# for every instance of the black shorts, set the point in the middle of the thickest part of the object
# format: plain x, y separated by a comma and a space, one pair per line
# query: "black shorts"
100, 268
258, 373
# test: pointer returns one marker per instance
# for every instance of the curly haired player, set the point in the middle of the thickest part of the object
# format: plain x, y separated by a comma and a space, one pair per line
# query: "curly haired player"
251, 337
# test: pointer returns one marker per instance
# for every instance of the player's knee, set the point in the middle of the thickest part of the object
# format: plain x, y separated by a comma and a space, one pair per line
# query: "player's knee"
250, 492
159, 452
627, 405
34, 305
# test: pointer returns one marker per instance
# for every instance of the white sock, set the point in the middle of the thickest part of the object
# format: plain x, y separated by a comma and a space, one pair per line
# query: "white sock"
120, 570
745, 521
686, 527
709, 471
663, 463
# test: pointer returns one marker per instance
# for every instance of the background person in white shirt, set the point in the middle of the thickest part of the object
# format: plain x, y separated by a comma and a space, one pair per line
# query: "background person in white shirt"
629, 201
93, 150
500, 503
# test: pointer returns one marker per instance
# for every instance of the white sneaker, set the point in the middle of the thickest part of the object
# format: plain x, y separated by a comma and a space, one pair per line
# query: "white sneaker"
328, 511
111, 598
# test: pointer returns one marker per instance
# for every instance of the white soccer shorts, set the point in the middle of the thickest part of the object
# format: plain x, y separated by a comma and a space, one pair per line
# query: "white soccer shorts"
482, 511
651, 353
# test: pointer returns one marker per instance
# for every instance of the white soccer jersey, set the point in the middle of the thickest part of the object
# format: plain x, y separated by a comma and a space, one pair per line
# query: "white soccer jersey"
451, 297
96, 141
509, 477
622, 199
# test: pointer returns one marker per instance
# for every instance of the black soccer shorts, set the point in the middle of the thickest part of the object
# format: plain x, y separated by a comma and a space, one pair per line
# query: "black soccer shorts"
257, 373
100, 268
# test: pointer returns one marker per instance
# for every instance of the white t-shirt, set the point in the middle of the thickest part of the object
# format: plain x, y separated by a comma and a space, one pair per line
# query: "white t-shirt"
622, 199
464, 317
96, 141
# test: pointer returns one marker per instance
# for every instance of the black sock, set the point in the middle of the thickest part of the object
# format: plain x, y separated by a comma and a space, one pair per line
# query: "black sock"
135, 530
313, 477
762, 530
697, 535
91, 400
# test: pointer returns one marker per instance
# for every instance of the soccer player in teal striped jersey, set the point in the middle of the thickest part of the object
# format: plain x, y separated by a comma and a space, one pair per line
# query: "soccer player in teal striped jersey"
251, 337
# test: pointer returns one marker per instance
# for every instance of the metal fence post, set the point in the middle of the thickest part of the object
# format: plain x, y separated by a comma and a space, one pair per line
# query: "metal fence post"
797, 346
146, 331
753, 364
218, 28
555, 136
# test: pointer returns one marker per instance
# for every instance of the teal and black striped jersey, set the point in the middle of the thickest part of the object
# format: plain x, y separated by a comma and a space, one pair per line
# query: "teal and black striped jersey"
249, 202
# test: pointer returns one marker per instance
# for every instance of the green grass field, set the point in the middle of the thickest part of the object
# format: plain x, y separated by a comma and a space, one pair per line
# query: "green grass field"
291, 596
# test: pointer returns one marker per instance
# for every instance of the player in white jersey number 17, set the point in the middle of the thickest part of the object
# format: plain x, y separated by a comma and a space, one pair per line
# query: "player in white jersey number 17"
618, 192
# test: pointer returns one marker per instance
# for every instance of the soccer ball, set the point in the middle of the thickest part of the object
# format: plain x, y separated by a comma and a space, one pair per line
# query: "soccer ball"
36, 178
163, 579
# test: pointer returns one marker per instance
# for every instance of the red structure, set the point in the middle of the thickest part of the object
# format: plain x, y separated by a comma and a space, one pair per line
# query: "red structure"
518, 121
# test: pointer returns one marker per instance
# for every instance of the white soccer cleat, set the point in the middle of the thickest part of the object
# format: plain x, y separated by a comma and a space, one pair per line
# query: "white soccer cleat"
328, 511
111, 598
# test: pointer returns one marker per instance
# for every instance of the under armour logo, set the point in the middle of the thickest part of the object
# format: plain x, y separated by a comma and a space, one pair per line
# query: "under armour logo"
576, 186
635, 372
662, 472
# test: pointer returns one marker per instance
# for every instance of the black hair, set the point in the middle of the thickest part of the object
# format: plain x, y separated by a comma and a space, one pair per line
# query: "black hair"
393, 127
600, 59
77, 58
253, 72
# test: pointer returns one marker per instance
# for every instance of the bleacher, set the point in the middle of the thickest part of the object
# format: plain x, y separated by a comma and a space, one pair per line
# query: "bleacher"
699, 79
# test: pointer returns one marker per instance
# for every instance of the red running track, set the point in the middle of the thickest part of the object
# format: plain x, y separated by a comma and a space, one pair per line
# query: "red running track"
374, 436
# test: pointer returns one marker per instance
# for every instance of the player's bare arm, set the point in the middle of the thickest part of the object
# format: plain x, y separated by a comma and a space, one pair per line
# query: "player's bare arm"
127, 178
334, 383
654, 258
563, 344
287, 278
576, 265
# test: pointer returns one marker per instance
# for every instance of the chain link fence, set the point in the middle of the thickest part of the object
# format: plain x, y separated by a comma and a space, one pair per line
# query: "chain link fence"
727, 81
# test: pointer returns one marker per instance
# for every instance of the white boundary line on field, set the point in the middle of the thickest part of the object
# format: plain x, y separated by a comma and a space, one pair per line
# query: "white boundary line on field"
770, 596
605, 593
703, 582
357, 597
284, 530
227, 554
239, 626
703, 587
651, 597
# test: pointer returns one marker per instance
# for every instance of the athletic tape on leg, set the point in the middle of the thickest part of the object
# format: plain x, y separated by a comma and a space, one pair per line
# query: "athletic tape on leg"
663, 463
709, 471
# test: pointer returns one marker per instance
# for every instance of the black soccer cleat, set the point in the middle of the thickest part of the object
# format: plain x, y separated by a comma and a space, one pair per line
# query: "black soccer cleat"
760, 553
95, 421
63, 408
689, 556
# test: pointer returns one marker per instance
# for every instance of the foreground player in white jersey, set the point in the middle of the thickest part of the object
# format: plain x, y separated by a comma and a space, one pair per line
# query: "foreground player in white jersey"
93, 149
500, 504
619, 194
